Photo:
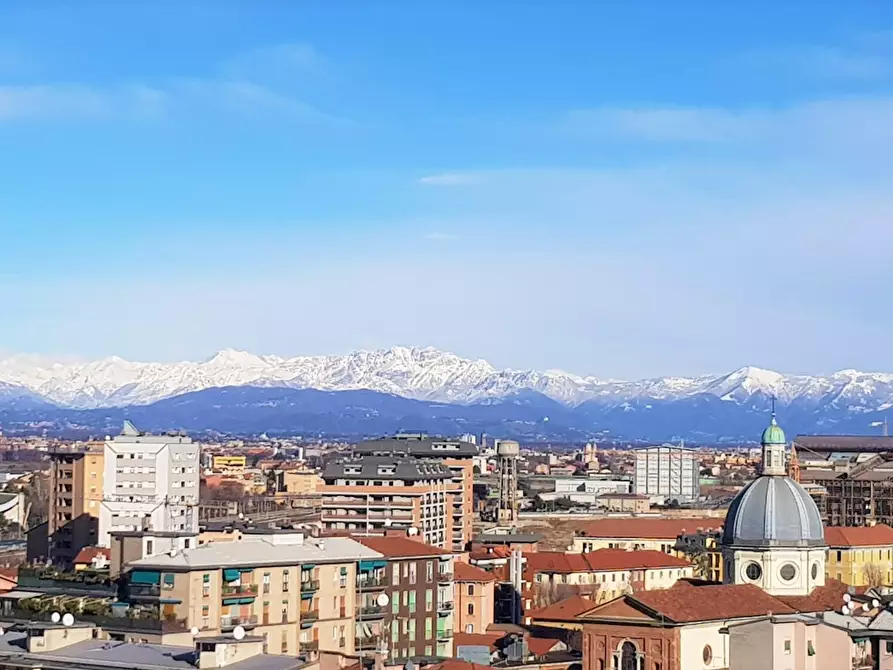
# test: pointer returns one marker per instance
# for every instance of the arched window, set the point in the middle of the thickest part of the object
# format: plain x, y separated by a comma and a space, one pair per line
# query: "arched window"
627, 657
471, 589
471, 608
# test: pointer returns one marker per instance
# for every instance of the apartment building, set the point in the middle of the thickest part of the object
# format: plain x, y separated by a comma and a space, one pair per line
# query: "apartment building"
639, 533
860, 556
151, 482
474, 596
599, 575
76, 485
457, 455
299, 594
667, 472
417, 582
374, 493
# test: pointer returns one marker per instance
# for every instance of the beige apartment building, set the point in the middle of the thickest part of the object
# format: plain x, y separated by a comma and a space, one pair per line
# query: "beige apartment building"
374, 493
76, 480
297, 593
475, 598
457, 455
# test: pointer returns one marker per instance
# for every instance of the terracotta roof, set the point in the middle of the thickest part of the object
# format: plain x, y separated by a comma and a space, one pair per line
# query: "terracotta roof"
489, 553
709, 603
87, 554
601, 560
647, 528
564, 610
463, 572
400, 547
540, 646
477, 640
865, 536
11, 574
456, 664
822, 599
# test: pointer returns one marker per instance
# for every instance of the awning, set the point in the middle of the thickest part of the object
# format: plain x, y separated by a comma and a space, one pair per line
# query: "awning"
306, 596
246, 569
169, 579
145, 577
238, 601
308, 566
231, 575
343, 571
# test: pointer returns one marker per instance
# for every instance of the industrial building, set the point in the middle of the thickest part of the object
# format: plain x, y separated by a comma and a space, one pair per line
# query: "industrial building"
667, 472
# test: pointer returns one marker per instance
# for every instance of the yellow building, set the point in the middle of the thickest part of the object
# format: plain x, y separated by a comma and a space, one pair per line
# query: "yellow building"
860, 556
703, 550
303, 482
635, 533
75, 498
228, 463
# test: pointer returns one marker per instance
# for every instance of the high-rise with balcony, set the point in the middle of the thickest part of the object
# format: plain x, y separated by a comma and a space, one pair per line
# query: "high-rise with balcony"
151, 482
298, 593
457, 455
374, 493
417, 582
76, 486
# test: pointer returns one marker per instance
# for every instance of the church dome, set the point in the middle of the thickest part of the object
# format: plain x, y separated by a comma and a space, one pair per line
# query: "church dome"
773, 434
773, 511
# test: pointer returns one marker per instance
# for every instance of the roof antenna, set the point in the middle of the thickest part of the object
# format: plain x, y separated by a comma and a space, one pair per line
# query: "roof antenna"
773, 405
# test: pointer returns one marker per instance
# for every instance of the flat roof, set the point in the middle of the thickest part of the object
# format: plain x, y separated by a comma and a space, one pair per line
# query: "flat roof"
260, 550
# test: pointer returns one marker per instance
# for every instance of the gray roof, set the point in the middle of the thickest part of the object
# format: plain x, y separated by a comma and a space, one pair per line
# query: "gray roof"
419, 448
260, 550
407, 469
773, 511
91, 654
844, 443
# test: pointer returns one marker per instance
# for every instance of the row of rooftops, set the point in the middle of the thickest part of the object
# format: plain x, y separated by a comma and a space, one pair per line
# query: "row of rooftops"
385, 468
632, 529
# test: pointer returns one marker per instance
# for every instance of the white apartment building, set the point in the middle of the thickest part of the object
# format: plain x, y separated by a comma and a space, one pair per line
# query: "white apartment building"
151, 482
667, 471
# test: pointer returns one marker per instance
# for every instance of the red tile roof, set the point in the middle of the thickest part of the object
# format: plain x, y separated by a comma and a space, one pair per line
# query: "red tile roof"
10, 574
540, 646
564, 610
400, 547
463, 572
456, 664
490, 553
822, 599
602, 560
647, 528
709, 603
87, 554
866, 536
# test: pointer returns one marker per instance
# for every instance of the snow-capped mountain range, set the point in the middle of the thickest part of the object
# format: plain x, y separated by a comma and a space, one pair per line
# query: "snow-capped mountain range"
416, 373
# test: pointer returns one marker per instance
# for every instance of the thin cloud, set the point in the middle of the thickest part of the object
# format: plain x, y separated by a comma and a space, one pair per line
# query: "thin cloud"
440, 237
74, 101
824, 62
454, 179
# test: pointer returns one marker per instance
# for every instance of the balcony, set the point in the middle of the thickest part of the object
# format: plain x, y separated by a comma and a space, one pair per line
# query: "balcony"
371, 612
445, 606
444, 577
310, 585
444, 633
143, 623
309, 615
379, 582
308, 646
236, 590
369, 643
144, 591
229, 622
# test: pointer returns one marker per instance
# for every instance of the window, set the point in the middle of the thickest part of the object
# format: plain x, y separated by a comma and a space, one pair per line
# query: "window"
889, 646
412, 567
395, 603
787, 646
471, 608
396, 574
810, 649
429, 571
150, 548
838, 556
707, 654
429, 600
471, 589
788, 572
412, 602
753, 571
428, 628
412, 633
469, 628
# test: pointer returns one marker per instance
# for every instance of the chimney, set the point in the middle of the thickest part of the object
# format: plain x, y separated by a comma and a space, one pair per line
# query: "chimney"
222, 652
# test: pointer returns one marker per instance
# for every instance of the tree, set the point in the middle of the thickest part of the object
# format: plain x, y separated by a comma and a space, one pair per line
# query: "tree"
874, 575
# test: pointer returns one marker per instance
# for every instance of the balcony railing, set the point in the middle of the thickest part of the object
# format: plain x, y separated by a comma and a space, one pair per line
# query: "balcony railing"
443, 577
371, 642
144, 590
309, 645
239, 590
372, 582
372, 611
309, 615
445, 606
444, 633
310, 585
147, 624
230, 622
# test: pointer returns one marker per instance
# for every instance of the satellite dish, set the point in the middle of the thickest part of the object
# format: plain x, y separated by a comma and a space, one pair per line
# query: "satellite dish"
866, 607
388, 523
847, 598
239, 632
409, 666
875, 603
241, 515
1, 632
55, 617
383, 600
68, 619
413, 530
194, 631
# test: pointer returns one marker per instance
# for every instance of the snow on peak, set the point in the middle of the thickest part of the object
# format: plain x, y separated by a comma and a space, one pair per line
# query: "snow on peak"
424, 373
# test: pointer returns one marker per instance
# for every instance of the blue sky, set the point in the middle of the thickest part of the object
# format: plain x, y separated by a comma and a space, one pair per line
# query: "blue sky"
619, 189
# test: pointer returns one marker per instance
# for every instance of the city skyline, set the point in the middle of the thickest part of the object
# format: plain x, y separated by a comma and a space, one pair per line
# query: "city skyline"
626, 192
